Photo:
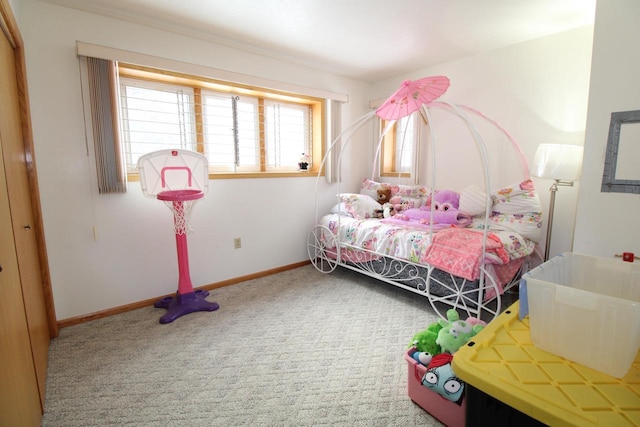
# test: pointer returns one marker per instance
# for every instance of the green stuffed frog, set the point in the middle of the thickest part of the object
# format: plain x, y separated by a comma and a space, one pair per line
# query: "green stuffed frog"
425, 341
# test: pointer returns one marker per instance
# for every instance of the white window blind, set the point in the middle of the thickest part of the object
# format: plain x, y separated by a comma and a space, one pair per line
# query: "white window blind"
287, 134
154, 117
235, 132
231, 132
333, 113
405, 142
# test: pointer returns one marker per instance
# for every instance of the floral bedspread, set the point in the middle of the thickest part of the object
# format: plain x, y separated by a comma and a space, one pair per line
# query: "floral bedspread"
372, 234
414, 244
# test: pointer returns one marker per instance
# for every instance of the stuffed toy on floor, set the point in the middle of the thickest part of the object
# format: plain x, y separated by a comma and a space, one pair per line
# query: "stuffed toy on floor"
455, 332
441, 379
425, 341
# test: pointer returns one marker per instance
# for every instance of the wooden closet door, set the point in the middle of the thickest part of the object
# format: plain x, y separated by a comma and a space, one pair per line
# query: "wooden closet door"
19, 396
21, 211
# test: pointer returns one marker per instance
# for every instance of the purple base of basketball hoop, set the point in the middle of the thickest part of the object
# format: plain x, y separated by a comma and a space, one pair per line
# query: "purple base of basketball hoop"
183, 304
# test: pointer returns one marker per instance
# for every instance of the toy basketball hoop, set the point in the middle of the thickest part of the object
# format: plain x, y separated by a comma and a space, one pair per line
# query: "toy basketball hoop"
179, 178
181, 202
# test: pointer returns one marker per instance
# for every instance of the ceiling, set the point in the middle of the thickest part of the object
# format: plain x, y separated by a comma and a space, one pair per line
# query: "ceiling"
367, 40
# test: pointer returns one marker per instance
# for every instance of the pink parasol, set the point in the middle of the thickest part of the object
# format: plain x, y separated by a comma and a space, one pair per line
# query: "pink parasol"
411, 96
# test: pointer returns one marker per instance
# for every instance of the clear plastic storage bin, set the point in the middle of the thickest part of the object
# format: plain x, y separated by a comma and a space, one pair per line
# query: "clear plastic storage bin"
586, 309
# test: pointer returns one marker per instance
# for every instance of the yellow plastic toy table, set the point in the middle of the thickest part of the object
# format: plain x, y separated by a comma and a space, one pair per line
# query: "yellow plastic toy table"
502, 362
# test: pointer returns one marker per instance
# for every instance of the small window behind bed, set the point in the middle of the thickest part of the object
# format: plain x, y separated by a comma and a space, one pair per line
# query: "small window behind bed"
398, 147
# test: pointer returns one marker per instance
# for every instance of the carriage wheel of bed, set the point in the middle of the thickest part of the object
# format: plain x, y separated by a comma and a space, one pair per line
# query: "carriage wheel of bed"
322, 249
464, 301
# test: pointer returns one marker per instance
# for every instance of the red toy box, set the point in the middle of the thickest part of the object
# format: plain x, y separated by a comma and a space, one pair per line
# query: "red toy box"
445, 411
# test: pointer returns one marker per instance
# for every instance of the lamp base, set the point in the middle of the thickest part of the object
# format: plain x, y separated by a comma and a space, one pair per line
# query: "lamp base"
552, 202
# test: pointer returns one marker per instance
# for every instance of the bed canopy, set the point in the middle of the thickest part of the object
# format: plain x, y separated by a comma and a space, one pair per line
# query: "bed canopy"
419, 97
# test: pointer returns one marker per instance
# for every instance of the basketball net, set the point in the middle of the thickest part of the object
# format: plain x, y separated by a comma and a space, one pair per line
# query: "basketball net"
181, 215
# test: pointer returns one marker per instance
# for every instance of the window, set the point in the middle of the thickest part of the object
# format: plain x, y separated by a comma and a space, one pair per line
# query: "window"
155, 116
243, 131
399, 147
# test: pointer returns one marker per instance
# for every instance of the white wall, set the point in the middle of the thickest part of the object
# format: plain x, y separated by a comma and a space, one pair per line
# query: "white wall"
15, 8
538, 91
134, 257
606, 223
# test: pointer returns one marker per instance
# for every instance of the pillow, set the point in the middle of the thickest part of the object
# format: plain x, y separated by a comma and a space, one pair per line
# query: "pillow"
360, 206
341, 209
473, 201
413, 191
370, 188
517, 208
404, 203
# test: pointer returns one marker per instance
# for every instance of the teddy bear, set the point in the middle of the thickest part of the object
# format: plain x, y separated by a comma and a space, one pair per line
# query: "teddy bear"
383, 197
383, 194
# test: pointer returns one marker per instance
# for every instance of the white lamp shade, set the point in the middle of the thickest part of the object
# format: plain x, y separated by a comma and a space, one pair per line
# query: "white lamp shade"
558, 161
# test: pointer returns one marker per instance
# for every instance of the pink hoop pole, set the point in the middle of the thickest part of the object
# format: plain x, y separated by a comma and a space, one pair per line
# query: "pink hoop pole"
186, 301
177, 198
184, 277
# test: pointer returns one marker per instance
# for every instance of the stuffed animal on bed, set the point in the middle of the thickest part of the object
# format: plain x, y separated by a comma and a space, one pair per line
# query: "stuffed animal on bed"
384, 196
455, 332
388, 210
445, 205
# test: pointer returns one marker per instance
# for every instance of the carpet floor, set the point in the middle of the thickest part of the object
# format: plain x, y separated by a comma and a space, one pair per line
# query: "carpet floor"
295, 348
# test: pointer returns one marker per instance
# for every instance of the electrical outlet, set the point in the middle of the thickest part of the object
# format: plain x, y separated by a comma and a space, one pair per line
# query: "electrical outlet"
237, 243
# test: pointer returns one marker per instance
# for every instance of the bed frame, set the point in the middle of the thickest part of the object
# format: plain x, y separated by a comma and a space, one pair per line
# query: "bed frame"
443, 290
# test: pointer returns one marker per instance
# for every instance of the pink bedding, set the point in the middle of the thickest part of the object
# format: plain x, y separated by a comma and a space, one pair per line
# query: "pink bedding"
502, 274
384, 238
456, 250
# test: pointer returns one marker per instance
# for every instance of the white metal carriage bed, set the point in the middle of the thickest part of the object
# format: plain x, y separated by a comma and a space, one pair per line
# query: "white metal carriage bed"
467, 265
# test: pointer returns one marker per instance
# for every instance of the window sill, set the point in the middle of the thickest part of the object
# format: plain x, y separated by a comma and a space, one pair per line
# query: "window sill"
134, 177
396, 174
294, 174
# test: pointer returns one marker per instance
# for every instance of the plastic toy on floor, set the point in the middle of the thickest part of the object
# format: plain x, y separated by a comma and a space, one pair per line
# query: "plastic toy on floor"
179, 178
